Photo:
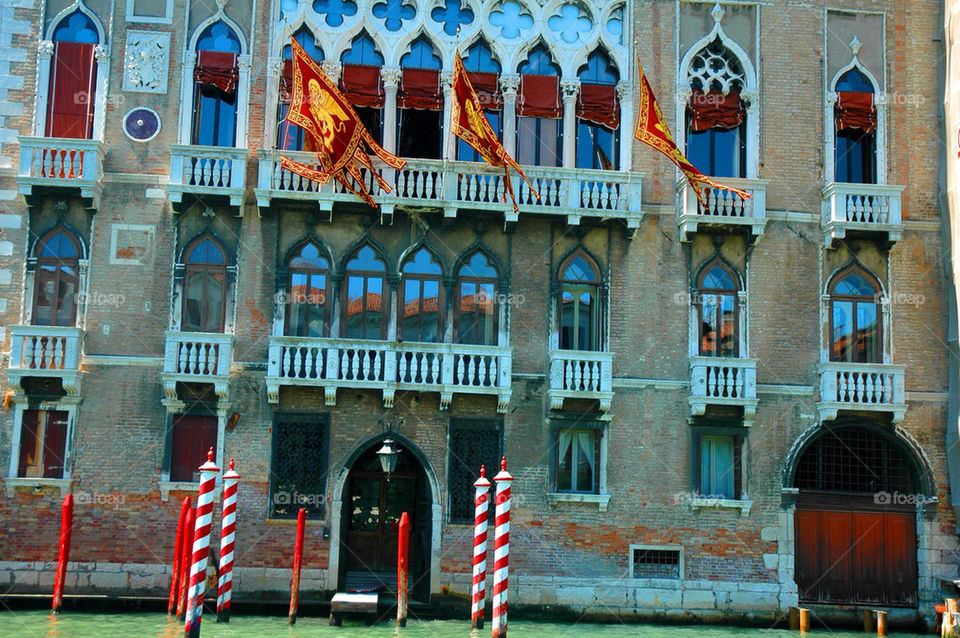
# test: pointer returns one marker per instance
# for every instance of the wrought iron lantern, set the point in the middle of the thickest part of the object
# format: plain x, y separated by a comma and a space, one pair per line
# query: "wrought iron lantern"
389, 452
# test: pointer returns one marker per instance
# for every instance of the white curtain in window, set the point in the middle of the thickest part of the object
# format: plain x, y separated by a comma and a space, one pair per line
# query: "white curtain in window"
587, 441
716, 466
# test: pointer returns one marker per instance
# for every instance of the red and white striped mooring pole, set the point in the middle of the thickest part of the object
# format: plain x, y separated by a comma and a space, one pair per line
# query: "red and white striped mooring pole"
228, 525
501, 550
479, 549
201, 547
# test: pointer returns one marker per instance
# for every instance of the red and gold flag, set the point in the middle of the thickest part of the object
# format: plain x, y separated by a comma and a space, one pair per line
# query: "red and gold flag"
652, 129
342, 143
471, 125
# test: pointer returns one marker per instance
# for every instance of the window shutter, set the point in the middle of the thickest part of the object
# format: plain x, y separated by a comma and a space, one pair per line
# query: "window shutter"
28, 444
698, 463
54, 444
193, 435
487, 88
70, 100
737, 466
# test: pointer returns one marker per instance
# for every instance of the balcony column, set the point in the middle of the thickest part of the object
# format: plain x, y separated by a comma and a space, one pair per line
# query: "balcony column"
336, 279
83, 265
829, 152
570, 89
449, 307
332, 68
391, 80
824, 328
44, 57
625, 95
101, 54
508, 87
270, 122
885, 341
449, 139
393, 281
281, 300
187, 96
742, 327
752, 98
503, 314
242, 98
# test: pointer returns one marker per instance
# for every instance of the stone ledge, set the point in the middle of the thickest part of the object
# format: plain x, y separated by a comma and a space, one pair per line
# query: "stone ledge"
600, 500
182, 486
697, 504
36, 484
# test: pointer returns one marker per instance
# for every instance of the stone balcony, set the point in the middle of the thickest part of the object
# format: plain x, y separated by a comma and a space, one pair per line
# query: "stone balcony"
861, 210
207, 172
874, 387
452, 186
724, 210
723, 381
196, 357
447, 368
46, 351
577, 374
50, 163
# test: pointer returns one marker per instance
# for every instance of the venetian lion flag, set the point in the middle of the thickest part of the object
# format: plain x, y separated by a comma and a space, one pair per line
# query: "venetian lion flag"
652, 129
342, 142
471, 125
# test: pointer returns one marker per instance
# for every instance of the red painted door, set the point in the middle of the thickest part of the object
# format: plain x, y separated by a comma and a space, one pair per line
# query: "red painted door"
900, 532
835, 556
867, 553
807, 543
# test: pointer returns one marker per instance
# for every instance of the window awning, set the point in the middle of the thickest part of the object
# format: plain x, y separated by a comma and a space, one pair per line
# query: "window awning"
856, 110
598, 103
487, 88
217, 68
715, 110
420, 89
361, 85
539, 96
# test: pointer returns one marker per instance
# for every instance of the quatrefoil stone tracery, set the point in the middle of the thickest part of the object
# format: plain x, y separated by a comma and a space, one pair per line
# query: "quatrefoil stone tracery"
715, 68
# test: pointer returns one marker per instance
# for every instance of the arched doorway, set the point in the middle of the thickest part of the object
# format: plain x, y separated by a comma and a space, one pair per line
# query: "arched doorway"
855, 521
370, 515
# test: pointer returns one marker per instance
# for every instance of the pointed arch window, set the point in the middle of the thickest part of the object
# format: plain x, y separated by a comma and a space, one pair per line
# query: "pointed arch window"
57, 280
421, 316
718, 310
716, 115
539, 111
855, 115
308, 289
483, 69
855, 317
580, 316
205, 286
365, 299
290, 137
361, 85
420, 103
475, 305
598, 114
215, 87
71, 97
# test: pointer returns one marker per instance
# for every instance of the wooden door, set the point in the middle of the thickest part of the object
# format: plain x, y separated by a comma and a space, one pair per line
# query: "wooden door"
375, 506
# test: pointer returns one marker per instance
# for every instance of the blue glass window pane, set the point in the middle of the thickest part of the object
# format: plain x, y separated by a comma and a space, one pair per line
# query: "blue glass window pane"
479, 59
218, 37
334, 10
76, 27
478, 266
421, 56
717, 152
718, 279
393, 13
854, 285
366, 259
363, 50
539, 63
206, 252
305, 39
465, 152
423, 263
58, 246
596, 147
598, 70
452, 14
854, 80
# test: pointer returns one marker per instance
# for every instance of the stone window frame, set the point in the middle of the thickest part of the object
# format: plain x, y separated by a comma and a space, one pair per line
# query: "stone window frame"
166, 18
603, 298
883, 301
173, 408
749, 92
188, 86
718, 427
830, 101
44, 68
600, 498
179, 283
743, 309
30, 274
68, 404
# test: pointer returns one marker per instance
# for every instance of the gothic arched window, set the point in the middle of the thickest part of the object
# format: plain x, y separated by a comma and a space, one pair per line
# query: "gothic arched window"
855, 317
215, 87
365, 296
855, 116
308, 312
205, 285
57, 279
539, 111
717, 289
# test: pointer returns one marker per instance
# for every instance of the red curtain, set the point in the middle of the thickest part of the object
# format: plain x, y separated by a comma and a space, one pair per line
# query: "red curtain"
286, 81
539, 96
193, 435
217, 68
715, 110
598, 103
361, 85
73, 82
487, 88
28, 442
420, 90
856, 110
54, 444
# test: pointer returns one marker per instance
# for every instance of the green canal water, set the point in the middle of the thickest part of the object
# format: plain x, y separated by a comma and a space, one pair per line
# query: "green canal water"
40, 624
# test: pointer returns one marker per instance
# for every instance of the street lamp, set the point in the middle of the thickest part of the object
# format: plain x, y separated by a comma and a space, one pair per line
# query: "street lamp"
389, 452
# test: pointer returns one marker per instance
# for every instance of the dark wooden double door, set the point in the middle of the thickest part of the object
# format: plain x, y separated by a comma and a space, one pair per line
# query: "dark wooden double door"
850, 553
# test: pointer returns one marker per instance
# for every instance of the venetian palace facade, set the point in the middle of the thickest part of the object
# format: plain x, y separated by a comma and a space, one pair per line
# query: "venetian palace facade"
713, 411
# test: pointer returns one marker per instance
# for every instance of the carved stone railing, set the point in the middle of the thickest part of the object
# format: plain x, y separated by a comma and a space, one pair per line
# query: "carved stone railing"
861, 208
877, 387
450, 186
202, 357
206, 171
723, 208
577, 374
723, 381
61, 163
46, 351
447, 368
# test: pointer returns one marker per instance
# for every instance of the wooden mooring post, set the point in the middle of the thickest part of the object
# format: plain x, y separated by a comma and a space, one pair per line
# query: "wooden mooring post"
297, 560
804, 619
